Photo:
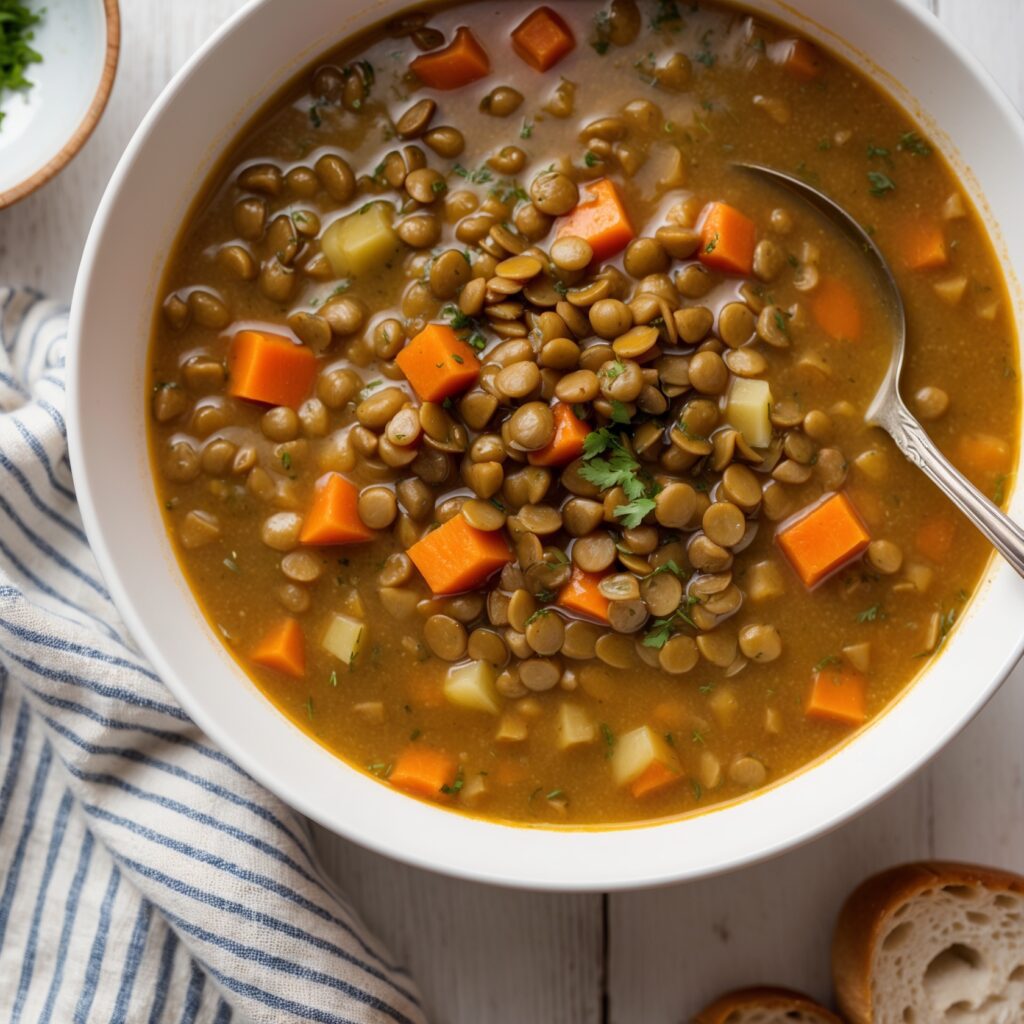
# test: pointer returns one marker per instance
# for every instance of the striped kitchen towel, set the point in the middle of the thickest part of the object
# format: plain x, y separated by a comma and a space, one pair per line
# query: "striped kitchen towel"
144, 877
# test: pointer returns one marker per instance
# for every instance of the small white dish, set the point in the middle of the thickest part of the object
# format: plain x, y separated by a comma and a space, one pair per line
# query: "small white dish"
150, 195
45, 126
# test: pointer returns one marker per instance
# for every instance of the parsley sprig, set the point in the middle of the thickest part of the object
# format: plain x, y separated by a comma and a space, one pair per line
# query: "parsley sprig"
16, 24
608, 463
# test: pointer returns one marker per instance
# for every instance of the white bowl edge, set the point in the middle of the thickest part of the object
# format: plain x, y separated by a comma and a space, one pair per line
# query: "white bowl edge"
127, 535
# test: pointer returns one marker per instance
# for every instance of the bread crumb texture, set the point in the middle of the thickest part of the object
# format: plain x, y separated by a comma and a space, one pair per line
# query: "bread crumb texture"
954, 953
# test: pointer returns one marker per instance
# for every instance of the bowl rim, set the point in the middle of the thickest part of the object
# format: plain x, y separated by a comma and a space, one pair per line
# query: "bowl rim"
90, 119
568, 843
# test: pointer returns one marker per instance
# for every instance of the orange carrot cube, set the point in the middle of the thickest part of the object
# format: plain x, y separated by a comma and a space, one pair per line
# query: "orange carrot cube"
924, 245
934, 537
800, 58
600, 219
270, 368
836, 309
462, 61
423, 771
581, 595
283, 649
457, 556
438, 363
567, 442
542, 39
727, 239
838, 694
656, 776
334, 515
823, 538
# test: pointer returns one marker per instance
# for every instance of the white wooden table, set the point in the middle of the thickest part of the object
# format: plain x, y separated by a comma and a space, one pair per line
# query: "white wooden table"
487, 955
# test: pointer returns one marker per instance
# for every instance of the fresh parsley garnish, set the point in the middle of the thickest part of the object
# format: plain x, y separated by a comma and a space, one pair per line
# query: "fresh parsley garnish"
829, 659
880, 183
607, 463
16, 25
911, 142
872, 614
478, 177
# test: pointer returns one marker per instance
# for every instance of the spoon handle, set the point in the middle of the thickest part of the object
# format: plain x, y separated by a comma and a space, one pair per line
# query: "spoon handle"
919, 448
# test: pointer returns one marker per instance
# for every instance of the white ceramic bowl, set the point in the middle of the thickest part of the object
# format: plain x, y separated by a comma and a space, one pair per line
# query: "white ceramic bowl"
45, 126
191, 124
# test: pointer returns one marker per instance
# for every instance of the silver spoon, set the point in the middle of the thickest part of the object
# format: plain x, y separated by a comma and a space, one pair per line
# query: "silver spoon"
887, 409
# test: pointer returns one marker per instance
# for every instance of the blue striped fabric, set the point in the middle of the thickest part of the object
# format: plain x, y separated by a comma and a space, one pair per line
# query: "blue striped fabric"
144, 877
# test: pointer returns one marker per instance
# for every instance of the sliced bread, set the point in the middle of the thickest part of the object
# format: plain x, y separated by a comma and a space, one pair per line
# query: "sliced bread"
765, 1006
931, 943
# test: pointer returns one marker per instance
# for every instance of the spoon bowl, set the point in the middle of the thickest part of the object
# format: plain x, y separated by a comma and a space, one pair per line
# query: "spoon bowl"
887, 409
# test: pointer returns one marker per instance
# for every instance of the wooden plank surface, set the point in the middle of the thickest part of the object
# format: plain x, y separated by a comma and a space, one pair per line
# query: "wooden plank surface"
487, 955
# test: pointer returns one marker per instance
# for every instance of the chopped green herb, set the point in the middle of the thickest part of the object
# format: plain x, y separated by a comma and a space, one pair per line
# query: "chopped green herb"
536, 615
17, 22
527, 130
309, 707
333, 680
555, 794
829, 659
666, 13
880, 183
911, 142
457, 785
875, 152
439, 186
286, 460
824, 145
478, 177
620, 414
697, 736
698, 792
382, 769
457, 358
591, 159
602, 31
872, 614
706, 57
670, 566
712, 243
609, 739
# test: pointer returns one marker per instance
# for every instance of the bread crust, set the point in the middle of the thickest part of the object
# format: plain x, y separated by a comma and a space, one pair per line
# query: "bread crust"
763, 997
864, 915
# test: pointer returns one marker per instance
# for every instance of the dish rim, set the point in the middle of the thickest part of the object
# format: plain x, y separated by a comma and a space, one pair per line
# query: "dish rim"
425, 858
91, 118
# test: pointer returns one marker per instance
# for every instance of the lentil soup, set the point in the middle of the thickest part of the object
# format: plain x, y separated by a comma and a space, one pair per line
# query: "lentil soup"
512, 437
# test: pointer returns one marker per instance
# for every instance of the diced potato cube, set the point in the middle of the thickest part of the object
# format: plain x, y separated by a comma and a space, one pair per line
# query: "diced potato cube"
764, 581
724, 705
575, 727
953, 208
748, 410
636, 751
709, 770
473, 791
921, 576
370, 711
859, 656
472, 686
344, 637
360, 242
951, 290
511, 729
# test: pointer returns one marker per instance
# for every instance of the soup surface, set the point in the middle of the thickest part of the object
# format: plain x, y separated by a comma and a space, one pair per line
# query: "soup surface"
513, 438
